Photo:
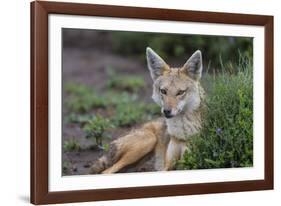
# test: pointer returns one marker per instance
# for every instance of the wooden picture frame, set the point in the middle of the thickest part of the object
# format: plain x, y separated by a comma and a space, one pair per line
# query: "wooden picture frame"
40, 193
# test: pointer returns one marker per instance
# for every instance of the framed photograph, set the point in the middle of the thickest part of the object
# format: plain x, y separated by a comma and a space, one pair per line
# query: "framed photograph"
131, 102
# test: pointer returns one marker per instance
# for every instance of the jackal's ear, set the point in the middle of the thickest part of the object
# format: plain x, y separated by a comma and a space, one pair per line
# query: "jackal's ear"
193, 66
156, 64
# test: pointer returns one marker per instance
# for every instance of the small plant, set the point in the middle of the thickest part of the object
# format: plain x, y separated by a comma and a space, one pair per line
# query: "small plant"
106, 147
96, 129
71, 145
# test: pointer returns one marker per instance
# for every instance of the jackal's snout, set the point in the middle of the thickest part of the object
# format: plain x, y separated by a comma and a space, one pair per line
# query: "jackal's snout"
168, 113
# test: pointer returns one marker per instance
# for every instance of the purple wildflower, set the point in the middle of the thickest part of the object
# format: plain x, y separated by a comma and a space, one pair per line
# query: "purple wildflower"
218, 131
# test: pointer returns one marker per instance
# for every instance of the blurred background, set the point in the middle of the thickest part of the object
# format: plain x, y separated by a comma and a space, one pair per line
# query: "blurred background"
174, 48
107, 90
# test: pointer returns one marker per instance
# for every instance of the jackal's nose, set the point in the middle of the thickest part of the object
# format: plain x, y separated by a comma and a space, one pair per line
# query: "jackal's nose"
168, 113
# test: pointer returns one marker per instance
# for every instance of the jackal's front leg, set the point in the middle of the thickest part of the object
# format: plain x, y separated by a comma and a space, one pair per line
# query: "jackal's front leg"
175, 151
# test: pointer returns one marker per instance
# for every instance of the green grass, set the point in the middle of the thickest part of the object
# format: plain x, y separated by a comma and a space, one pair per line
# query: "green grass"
77, 89
130, 83
126, 107
131, 112
66, 165
128, 114
226, 139
115, 98
120, 82
82, 98
85, 103
78, 118
71, 145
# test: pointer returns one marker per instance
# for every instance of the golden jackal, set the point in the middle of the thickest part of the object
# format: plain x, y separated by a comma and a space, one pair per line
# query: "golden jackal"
179, 94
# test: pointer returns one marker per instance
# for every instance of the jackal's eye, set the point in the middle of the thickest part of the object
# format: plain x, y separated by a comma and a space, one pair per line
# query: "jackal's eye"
180, 92
163, 91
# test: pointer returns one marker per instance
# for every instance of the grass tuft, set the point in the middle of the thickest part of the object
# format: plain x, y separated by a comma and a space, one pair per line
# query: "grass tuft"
82, 98
130, 83
71, 145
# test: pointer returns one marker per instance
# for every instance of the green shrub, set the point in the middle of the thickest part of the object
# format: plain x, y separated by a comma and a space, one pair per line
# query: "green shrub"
96, 128
226, 139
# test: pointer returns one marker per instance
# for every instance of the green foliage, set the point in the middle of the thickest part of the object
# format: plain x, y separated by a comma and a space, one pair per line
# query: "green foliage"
128, 114
78, 104
132, 43
168, 45
129, 83
78, 118
133, 112
125, 109
178, 45
96, 128
77, 89
152, 110
106, 147
71, 145
115, 98
226, 139
82, 98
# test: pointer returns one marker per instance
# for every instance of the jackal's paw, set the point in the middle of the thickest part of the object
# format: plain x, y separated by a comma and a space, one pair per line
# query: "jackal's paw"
95, 169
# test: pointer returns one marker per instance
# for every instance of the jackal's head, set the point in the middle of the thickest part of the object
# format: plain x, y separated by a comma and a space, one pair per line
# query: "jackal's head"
176, 90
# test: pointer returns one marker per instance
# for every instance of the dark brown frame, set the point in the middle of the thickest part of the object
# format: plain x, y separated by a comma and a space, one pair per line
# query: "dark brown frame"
39, 102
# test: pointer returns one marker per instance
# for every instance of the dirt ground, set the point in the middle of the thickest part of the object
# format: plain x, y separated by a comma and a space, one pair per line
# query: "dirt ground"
88, 67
